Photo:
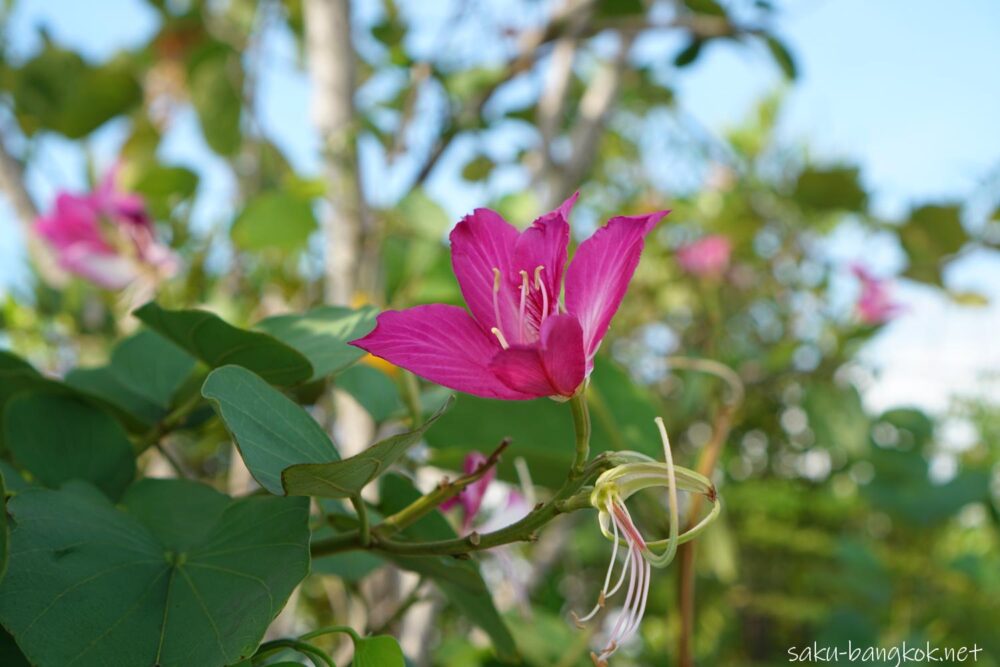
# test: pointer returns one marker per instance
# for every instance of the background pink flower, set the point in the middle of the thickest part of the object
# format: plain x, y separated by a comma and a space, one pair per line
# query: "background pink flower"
706, 257
106, 236
875, 304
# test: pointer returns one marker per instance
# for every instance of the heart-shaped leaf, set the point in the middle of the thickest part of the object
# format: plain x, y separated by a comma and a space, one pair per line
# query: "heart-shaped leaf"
271, 431
322, 335
343, 479
144, 373
217, 343
373, 389
57, 437
183, 576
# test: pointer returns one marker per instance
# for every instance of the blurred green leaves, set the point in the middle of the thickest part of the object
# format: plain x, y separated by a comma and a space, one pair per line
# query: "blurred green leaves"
275, 220
58, 91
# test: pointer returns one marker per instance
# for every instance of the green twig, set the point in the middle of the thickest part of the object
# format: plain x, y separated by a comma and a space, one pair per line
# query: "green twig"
318, 657
581, 426
346, 629
364, 531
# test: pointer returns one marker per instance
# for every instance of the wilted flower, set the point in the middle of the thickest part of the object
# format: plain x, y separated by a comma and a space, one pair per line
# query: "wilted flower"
635, 473
875, 304
106, 237
520, 342
706, 257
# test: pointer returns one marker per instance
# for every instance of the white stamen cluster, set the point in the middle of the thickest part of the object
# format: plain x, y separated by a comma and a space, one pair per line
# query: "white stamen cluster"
610, 492
525, 289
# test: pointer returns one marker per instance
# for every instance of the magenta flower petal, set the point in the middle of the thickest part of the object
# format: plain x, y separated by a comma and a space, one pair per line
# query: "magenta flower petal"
480, 243
541, 253
441, 343
600, 272
556, 366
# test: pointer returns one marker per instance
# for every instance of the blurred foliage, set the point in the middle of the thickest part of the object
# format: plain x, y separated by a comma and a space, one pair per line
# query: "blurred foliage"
838, 524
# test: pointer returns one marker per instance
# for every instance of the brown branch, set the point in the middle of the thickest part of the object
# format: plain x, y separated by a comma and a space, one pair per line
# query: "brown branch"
722, 424
14, 190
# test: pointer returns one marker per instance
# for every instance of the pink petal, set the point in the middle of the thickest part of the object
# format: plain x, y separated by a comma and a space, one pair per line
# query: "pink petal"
481, 242
556, 366
600, 272
544, 244
440, 343
104, 269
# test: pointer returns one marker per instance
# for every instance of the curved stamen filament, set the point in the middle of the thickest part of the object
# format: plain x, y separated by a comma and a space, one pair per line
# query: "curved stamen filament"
496, 301
605, 593
525, 286
499, 334
540, 286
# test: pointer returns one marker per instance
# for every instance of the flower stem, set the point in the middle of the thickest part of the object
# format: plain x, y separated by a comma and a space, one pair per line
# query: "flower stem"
346, 629
581, 425
364, 531
317, 656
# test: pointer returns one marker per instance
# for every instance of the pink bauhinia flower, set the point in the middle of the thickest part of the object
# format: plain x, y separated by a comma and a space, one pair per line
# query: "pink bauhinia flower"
875, 304
106, 237
521, 341
706, 257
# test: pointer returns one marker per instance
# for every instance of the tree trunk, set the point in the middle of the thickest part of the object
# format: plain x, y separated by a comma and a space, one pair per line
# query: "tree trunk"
331, 57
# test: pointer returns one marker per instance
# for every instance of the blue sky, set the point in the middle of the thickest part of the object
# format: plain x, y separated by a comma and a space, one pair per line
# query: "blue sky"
906, 88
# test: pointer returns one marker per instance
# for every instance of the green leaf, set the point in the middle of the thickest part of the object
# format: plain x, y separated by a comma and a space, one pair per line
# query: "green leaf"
478, 168
164, 187
782, 56
930, 235
274, 220
271, 431
10, 654
11, 362
373, 389
837, 418
92, 585
834, 188
343, 479
57, 90
689, 54
217, 343
378, 651
58, 438
902, 486
322, 335
619, 8
4, 530
142, 376
216, 82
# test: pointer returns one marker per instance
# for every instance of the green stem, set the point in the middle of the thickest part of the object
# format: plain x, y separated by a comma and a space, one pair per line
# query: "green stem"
346, 629
317, 656
429, 502
411, 395
567, 499
581, 425
364, 531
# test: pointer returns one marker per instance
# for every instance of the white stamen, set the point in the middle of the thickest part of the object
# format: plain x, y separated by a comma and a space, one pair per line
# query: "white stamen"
540, 286
607, 579
496, 302
524, 297
499, 334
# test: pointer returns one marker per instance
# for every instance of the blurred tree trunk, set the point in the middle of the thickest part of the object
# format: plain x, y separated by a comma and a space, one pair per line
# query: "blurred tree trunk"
331, 57
13, 189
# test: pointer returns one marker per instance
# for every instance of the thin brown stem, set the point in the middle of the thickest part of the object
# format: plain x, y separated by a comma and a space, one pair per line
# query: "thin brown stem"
709, 458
